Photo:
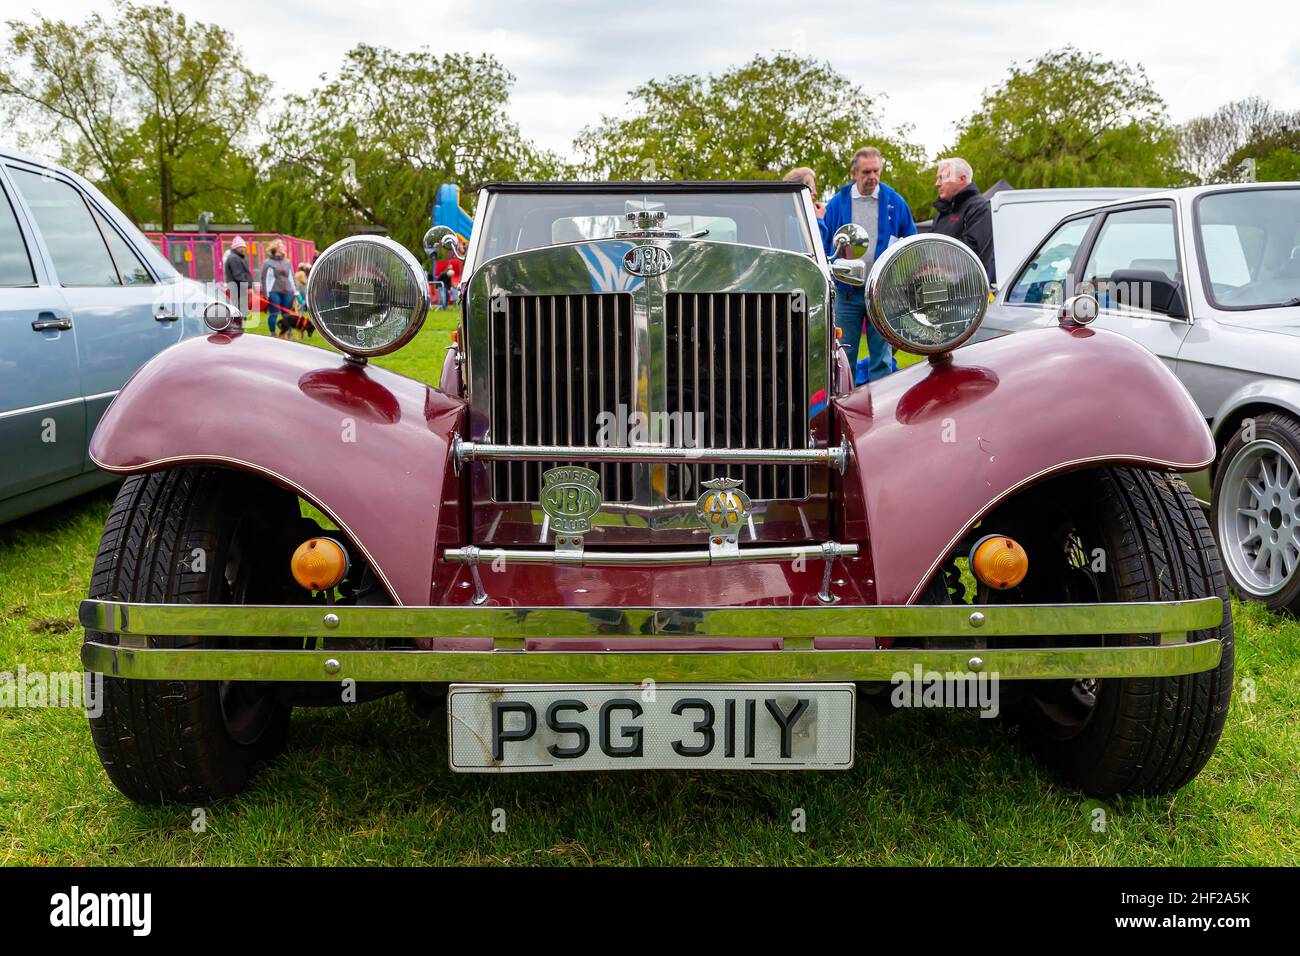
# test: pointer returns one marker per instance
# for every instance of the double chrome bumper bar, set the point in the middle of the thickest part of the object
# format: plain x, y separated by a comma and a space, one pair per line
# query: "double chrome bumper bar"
464, 451
511, 629
474, 554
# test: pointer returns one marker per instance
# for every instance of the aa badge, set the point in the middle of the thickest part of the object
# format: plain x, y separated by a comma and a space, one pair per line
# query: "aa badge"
723, 508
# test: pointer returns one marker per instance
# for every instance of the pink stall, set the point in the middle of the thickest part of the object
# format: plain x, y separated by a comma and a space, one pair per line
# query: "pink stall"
199, 255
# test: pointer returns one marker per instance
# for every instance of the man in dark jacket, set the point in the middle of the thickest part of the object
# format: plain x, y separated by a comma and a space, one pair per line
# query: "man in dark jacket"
961, 211
239, 278
883, 213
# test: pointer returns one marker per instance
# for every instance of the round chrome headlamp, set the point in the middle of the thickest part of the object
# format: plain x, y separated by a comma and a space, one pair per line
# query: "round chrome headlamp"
367, 295
927, 294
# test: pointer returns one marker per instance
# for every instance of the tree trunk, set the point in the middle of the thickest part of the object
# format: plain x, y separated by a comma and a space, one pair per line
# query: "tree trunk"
165, 194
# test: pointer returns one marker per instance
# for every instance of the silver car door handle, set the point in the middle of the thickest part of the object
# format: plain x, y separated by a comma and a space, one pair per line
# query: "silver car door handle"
166, 317
48, 320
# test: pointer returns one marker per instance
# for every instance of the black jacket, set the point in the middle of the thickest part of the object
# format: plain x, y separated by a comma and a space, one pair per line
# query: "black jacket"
236, 268
239, 279
967, 216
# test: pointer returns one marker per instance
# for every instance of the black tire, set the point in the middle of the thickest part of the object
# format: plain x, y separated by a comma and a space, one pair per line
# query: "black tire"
191, 741
1137, 735
1275, 439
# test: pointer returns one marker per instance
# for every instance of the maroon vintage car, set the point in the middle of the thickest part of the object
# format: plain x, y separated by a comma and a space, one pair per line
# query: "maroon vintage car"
645, 521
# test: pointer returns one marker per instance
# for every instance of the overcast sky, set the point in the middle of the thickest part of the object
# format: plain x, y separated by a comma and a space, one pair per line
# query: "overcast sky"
576, 59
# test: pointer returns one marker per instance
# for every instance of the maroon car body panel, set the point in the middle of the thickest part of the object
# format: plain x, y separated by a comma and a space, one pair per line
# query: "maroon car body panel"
935, 447
932, 449
367, 446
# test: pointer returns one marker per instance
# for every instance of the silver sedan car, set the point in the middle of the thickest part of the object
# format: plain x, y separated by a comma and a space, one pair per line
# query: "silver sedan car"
1207, 278
85, 300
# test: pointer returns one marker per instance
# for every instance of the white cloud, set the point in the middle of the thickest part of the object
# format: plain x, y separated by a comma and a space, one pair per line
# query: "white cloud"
578, 59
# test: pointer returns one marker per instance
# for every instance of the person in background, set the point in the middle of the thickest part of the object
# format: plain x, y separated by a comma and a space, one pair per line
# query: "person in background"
963, 212
871, 204
304, 324
803, 174
237, 275
448, 275
278, 289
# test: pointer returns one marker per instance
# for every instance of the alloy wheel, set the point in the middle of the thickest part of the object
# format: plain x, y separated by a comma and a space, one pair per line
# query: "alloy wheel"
1259, 518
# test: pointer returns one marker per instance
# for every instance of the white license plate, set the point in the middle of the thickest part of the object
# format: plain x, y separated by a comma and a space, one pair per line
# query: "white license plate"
516, 728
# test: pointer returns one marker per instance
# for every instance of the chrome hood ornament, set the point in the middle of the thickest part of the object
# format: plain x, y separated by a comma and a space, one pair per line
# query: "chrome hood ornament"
647, 224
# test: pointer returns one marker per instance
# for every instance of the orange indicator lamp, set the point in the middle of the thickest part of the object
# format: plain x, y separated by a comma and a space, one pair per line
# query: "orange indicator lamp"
999, 561
319, 564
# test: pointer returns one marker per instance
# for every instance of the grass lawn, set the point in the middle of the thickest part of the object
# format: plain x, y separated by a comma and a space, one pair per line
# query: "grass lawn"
370, 783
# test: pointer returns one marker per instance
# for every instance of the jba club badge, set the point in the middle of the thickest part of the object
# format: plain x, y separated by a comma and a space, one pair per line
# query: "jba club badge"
570, 497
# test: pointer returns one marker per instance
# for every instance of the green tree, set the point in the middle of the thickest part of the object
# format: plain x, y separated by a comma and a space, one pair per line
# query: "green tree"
753, 121
1207, 143
371, 145
1271, 158
150, 105
1071, 119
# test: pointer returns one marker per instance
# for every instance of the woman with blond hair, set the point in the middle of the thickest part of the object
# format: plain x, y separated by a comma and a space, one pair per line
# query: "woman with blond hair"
278, 288
805, 175
304, 323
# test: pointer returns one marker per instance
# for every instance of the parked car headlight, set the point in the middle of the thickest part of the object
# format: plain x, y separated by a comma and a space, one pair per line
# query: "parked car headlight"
367, 295
927, 294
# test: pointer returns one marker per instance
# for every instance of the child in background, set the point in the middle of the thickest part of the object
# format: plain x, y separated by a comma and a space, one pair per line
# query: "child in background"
305, 327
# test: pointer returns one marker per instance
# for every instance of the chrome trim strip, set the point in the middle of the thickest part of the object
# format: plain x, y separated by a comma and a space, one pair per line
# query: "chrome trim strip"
636, 666
484, 451
916, 620
97, 395
624, 559
40, 408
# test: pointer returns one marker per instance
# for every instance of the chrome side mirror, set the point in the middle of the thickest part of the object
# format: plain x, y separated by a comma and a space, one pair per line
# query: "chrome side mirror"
849, 271
220, 316
1078, 310
443, 237
850, 241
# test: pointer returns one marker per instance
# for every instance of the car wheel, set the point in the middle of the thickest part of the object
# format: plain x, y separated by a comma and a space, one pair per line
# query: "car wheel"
1256, 512
192, 536
1116, 535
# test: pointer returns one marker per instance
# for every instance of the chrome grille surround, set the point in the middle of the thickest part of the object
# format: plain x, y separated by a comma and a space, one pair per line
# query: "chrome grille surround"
521, 294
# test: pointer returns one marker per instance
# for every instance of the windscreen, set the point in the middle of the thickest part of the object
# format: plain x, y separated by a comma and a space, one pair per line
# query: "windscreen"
531, 220
1250, 244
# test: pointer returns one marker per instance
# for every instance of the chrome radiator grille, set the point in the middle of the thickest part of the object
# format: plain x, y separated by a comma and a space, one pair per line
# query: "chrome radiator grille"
558, 361
737, 364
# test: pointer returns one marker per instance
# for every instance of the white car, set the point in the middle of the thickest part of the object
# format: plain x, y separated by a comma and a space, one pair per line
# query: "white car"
1207, 278
1022, 216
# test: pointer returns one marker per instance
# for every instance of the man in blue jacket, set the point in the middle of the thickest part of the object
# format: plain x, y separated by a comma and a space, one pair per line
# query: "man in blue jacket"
870, 203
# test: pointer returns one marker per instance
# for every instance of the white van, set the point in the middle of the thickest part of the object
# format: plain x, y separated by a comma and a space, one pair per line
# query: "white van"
1021, 217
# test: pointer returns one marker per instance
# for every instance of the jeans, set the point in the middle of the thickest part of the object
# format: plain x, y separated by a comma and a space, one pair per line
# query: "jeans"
280, 302
850, 314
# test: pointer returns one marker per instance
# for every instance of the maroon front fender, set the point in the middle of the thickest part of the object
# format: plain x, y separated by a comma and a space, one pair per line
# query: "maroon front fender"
934, 448
367, 446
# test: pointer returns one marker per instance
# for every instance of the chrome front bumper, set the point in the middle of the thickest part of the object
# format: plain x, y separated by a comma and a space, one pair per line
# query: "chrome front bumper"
510, 628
